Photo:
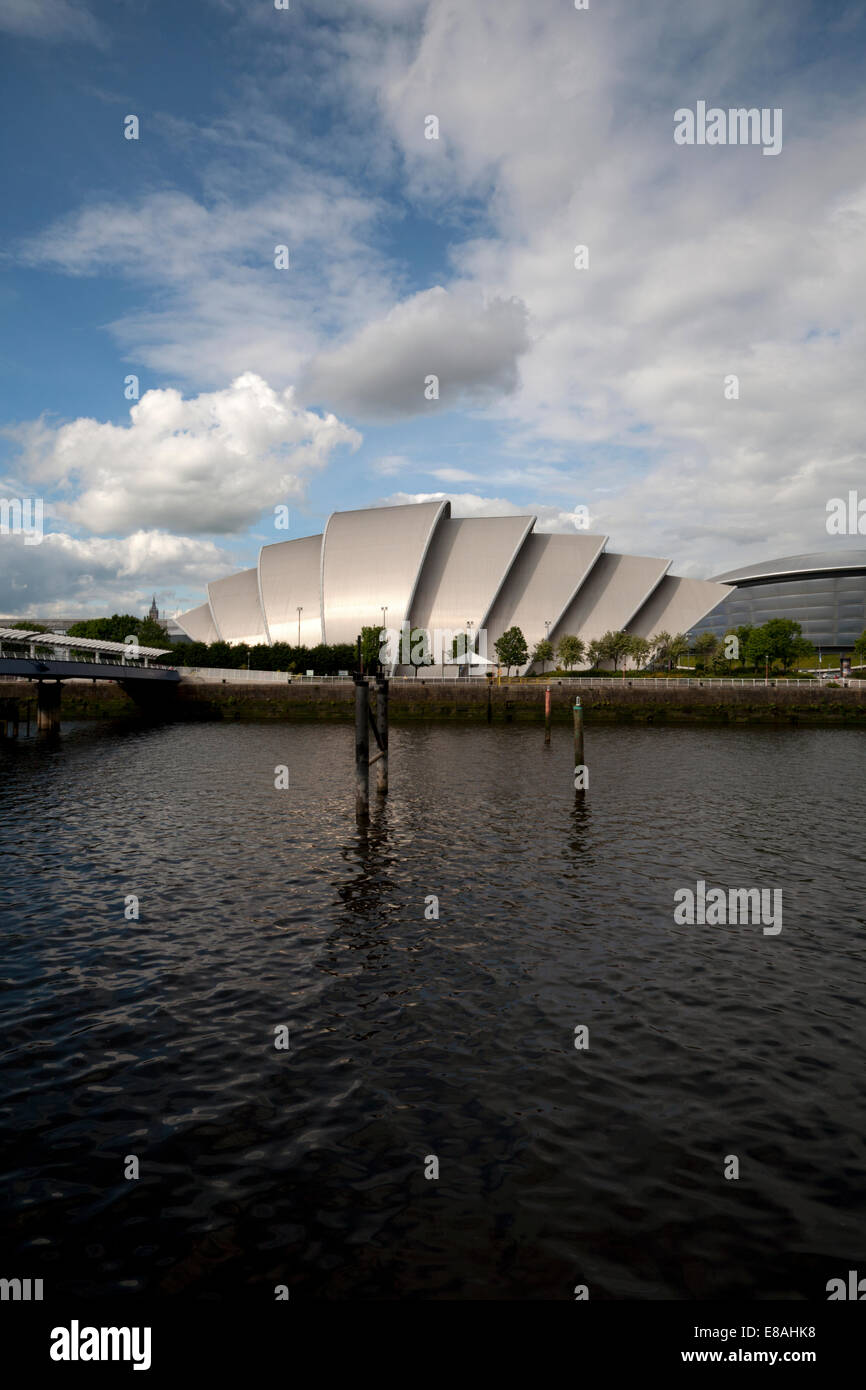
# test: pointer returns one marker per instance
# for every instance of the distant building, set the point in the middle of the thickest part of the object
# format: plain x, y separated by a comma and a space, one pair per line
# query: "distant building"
153, 611
53, 624
175, 632
824, 593
384, 566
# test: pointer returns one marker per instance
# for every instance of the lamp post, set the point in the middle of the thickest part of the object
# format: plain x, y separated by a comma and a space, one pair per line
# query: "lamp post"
384, 624
300, 611
469, 648
547, 638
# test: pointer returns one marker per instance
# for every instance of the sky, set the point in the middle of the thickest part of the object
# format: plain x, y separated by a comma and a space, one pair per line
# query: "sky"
171, 381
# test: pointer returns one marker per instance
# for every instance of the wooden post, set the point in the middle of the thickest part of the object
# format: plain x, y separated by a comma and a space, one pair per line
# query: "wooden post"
578, 733
362, 748
382, 726
489, 697
48, 707
547, 715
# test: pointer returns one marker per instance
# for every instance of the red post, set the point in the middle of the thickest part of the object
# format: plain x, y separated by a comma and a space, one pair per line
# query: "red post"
547, 714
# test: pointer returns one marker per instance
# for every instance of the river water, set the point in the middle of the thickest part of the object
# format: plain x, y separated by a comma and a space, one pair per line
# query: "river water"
413, 1038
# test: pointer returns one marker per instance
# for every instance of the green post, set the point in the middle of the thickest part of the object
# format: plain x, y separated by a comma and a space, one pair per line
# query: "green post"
382, 726
362, 749
578, 734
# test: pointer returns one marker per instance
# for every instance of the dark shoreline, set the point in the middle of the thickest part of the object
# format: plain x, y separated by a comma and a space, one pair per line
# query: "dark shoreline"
640, 702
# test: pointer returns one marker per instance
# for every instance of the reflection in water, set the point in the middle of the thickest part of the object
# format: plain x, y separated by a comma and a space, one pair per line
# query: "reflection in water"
414, 1035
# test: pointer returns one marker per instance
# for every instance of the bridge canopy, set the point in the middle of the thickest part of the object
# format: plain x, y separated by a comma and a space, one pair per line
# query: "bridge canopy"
63, 640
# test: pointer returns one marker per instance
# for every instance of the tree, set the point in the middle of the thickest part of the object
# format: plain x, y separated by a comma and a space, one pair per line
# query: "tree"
114, 629
667, 650
661, 648
421, 651
639, 651
29, 627
858, 651
742, 634
511, 648
615, 646
679, 645
571, 650
371, 643
152, 634
147, 631
780, 639
594, 653
705, 648
543, 652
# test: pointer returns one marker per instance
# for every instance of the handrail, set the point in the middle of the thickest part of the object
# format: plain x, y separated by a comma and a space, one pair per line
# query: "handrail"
35, 651
243, 675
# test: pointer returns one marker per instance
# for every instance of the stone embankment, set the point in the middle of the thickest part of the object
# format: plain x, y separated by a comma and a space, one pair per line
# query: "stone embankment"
640, 701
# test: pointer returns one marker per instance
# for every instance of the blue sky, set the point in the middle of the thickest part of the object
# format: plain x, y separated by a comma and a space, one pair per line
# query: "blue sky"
558, 387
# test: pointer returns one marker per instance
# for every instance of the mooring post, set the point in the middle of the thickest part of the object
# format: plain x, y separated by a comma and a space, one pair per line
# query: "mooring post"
48, 707
578, 734
489, 697
362, 748
547, 714
382, 726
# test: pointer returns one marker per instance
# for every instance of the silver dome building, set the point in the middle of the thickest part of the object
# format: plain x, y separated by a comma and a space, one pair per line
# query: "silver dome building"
416, 564
824, 593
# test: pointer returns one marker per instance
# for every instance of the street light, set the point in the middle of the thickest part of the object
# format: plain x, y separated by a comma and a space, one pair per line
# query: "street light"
300, 611
547, 638
384, 628
469, 651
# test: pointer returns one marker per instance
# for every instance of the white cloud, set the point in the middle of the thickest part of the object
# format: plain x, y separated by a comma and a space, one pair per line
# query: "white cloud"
703, 262
211, 463
470, 345
455, 475
217, 305
472, 504
389, 464
556, 129
51, 20
67, 575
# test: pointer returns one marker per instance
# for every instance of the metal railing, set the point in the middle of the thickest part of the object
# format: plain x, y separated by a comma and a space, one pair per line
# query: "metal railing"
14, 652
218, 674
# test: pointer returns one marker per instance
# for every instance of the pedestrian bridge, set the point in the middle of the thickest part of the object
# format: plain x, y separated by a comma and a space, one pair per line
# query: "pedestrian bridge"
49, 658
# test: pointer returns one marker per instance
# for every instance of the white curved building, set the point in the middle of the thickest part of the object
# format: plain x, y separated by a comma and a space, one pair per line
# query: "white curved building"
434, 571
